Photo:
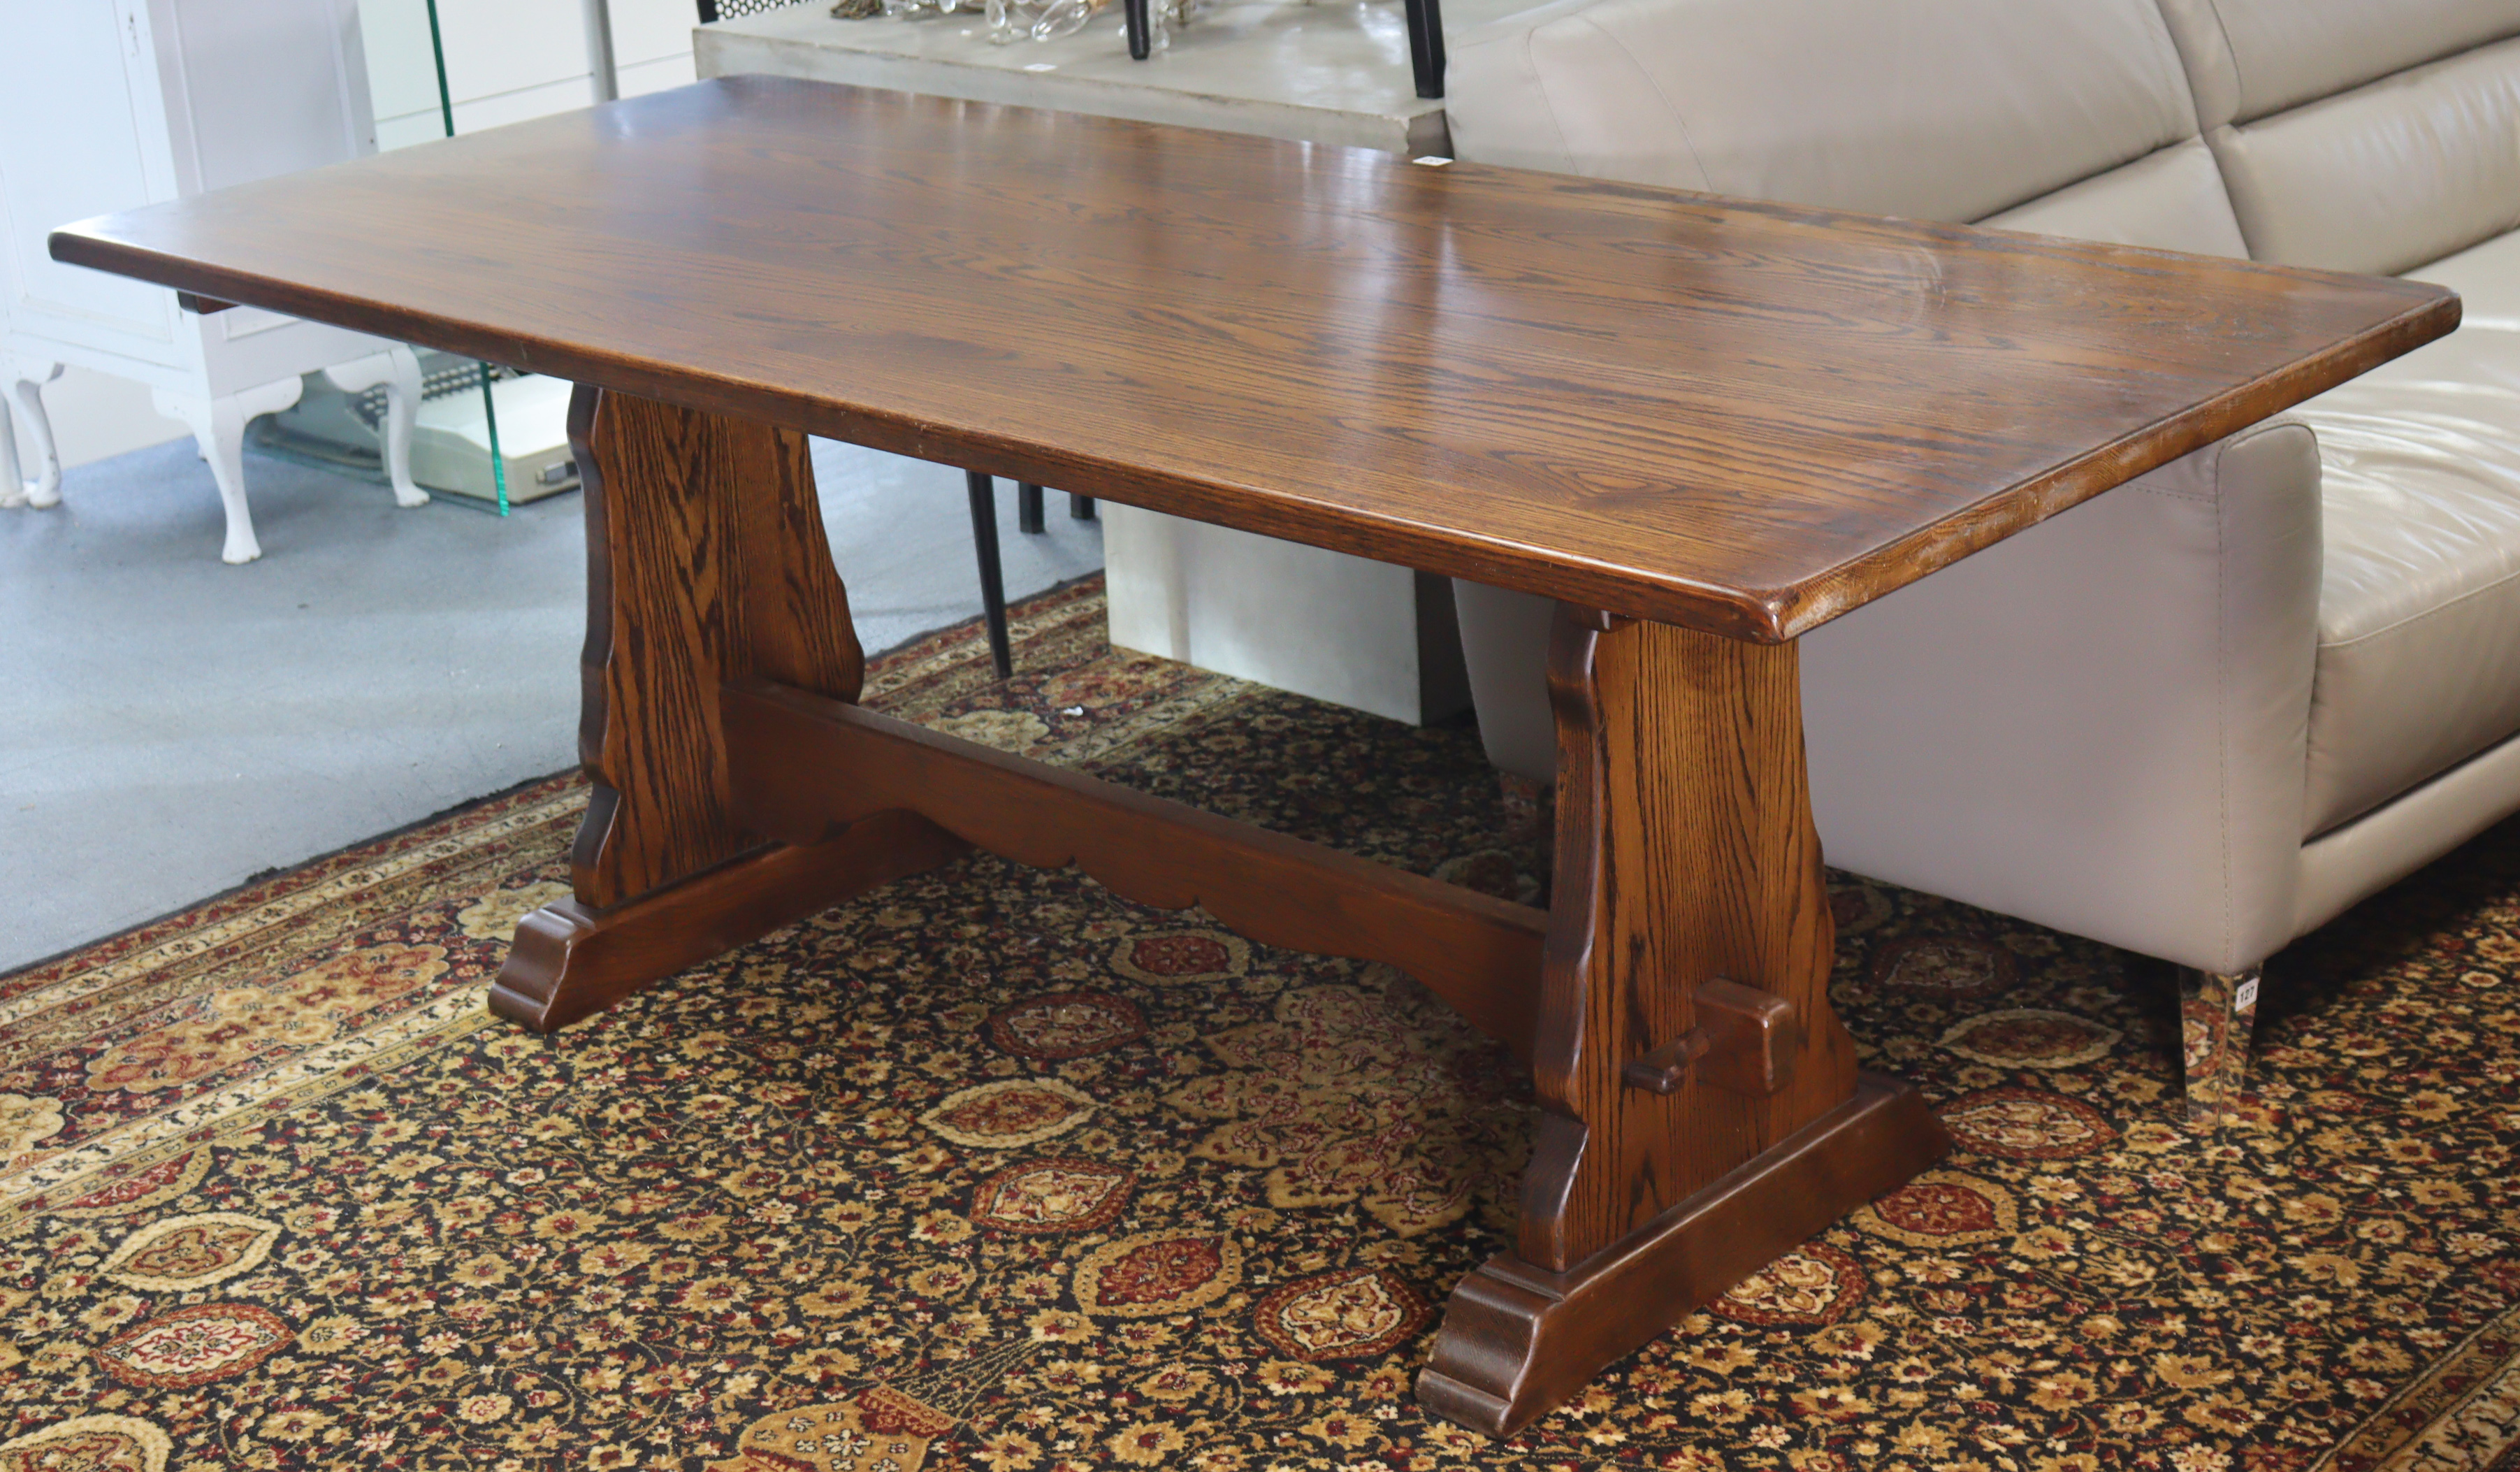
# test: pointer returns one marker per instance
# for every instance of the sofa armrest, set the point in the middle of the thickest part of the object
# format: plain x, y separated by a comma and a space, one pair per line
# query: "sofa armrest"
2097, 726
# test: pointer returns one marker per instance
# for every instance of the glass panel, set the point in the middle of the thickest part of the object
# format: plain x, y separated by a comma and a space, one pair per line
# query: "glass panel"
488, 434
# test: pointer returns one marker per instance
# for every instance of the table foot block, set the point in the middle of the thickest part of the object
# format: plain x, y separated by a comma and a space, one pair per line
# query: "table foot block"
570, 961
1518, 1340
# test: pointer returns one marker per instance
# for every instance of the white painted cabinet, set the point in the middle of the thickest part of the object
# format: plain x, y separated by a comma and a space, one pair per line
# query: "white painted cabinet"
105, 104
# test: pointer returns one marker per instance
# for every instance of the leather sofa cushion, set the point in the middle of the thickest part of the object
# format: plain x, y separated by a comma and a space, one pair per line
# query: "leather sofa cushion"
2486, 278
1943, 109
2386, 177
2167, 201
2418, 664
2247, 59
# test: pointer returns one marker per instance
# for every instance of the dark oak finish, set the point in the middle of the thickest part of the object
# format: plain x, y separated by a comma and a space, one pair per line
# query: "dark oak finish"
572, 961
716, 567
806, 764
1722, 423
1686, 853
1517, 1339
705, 559
1699, 1103
1737, 417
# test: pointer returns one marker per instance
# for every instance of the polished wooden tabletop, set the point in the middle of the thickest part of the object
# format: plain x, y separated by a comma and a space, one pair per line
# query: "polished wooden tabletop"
1740, 417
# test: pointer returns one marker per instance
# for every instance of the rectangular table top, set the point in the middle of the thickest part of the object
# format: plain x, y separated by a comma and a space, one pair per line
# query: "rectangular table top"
1740, 417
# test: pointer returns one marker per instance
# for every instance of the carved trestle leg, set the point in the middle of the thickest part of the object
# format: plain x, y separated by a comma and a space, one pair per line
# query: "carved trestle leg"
1701, 1111
705, 562
2217, 1012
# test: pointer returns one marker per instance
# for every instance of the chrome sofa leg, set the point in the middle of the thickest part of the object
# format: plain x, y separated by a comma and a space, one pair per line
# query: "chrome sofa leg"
2216, 1012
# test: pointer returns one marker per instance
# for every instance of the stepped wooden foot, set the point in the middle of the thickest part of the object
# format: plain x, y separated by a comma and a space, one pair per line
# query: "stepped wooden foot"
705, 561
1700, 1106
1517, 1339
570, 961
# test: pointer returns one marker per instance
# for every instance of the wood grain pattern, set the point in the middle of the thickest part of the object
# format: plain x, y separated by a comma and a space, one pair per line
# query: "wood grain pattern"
570, 961
1736, 417
804, 764
1519, 1339
705, 559
1686, 853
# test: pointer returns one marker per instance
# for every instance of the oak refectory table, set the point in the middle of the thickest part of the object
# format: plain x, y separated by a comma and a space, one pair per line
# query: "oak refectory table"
1703, 425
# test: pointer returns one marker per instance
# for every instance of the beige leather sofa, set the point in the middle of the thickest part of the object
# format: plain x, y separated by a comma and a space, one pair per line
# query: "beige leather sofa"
2205, 713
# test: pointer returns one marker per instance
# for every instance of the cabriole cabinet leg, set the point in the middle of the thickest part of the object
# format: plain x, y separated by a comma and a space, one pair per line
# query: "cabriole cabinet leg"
218, 430
397, 371
26, 382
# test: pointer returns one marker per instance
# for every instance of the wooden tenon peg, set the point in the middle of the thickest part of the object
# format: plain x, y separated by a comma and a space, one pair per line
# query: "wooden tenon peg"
1744, 1043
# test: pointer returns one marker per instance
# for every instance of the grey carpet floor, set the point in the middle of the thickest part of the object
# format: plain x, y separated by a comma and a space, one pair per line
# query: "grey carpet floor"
170, 726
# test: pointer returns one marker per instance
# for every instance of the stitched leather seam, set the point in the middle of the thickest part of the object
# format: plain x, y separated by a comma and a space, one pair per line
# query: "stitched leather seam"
2412, 620
2239, 85
1547, 103
1677, 120
2169, 47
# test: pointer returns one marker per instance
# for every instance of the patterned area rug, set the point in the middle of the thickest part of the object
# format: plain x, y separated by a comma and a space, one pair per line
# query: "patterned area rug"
993, 1169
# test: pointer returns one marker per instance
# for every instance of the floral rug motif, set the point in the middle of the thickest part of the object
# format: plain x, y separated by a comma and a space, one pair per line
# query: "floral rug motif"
993, 1169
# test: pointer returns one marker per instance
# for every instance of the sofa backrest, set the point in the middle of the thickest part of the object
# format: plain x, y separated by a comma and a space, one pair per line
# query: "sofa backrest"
2071, 117
2361, 135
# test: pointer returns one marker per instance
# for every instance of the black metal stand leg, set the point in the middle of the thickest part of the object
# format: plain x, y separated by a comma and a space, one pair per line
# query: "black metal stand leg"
1142, 31
993, 582
1426, 45
1080, 507
1028, 508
